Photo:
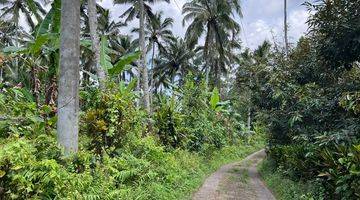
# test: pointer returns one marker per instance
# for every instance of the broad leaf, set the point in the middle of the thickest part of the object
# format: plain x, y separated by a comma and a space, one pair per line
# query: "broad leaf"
39, 42
45, 24
132, 85
51, 19
120, 66
105, 60
215, 99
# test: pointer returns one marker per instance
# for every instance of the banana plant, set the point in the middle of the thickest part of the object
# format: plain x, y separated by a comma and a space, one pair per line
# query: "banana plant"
123, 63
216, 104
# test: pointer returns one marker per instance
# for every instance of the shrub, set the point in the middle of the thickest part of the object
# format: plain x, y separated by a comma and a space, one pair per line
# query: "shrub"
169, 123
112, 119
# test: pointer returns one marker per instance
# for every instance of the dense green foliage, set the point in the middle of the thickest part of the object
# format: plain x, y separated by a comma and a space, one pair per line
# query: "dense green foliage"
119, 157
284, 188
310, 100
305, 100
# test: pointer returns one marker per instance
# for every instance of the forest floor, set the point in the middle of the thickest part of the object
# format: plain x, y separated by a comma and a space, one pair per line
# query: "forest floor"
236, 181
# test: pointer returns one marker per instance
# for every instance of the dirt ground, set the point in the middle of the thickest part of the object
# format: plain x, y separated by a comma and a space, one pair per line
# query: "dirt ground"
236, 181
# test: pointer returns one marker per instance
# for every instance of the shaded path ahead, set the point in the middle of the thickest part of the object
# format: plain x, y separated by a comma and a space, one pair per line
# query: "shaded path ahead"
236, 181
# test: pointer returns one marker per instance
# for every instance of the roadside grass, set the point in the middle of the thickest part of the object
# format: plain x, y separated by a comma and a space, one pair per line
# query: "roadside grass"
284, 188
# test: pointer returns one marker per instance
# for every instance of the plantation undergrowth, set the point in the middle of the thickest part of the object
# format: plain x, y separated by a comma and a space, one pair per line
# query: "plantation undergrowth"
119, 156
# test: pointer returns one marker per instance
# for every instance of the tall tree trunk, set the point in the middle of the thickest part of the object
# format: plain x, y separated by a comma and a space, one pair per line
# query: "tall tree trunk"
207, 56
36, 84
93, 24
2, 60
218, 77
152, 73
144, 70
68, 101
249, 119
286, 28
153, 56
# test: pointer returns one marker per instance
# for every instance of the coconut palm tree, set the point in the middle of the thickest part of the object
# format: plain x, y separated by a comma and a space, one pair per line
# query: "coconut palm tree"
143, 11
144, 69
13, 9
29, 8
93, 26
214, 20
158, 33
219, 69
107, 26
68, 100
174, 65
134, 10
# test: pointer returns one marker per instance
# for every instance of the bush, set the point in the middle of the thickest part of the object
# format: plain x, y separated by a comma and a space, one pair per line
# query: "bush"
112, 119
285, 188
169, 123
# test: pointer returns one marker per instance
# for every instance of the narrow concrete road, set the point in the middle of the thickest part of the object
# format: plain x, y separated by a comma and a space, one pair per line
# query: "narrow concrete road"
236, 181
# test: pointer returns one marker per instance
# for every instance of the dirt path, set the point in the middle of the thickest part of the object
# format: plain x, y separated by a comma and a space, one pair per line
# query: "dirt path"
236, 181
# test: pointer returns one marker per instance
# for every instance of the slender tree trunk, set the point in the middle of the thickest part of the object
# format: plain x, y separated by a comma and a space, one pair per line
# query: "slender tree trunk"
286, 28
249, 119
93, 24
2, 60
153, 56
36, 84
68, 100
144, 70
218, 77
16, 60
138, 83
1, 74
207, 74
207, 56
152, 73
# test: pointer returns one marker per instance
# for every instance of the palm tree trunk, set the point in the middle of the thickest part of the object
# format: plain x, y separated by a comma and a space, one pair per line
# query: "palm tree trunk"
95, 42
218, 77
68, 101
152, 73
17, 45
286, 28
144, 70
153, 56
207, 74
249, 119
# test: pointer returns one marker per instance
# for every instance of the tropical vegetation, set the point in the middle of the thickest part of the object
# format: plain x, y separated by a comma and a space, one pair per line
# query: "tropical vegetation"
90, 111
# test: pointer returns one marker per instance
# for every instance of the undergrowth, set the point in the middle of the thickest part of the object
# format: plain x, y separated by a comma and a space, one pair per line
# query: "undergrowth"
284, 188
119, 156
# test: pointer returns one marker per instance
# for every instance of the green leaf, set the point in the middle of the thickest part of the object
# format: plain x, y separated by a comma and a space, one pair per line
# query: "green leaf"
131, 86
86, 43
105, 60
2, 173
16, 168
34, 10
45, 24
12, 49
39, 42
55, 26
51, 21
215, 98
123, 62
